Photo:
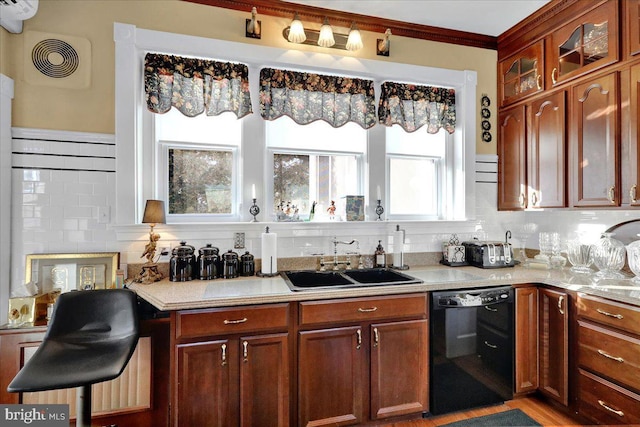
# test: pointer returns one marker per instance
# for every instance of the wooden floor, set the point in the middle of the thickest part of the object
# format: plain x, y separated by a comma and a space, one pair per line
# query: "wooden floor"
536, 408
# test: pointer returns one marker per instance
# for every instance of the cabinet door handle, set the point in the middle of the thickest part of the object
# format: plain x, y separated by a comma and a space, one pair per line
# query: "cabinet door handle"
367, 310
560, 305
376, 337
608, 356
491, 309
245, 351
235, 322
539, 81
534, 199
490, 345
522, 199
606, 313
554, 73
359, 339
632, 193
611, 194
224, 354
610, 409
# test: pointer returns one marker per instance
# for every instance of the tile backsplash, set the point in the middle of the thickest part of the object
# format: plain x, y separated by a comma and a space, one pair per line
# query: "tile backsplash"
63, 203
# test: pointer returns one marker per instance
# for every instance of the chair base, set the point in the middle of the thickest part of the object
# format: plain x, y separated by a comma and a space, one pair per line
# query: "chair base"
83, 406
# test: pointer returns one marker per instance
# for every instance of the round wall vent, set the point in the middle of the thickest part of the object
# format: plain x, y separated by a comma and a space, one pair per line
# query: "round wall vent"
55, 58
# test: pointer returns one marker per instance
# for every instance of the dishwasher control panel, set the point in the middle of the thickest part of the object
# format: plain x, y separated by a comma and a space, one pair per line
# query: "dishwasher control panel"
472, 297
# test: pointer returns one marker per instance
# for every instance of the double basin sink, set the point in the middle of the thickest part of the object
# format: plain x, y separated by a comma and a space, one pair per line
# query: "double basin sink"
302, 280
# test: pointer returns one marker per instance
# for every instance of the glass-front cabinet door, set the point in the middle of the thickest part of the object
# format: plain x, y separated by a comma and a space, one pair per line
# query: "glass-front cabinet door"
522, 74
584, 44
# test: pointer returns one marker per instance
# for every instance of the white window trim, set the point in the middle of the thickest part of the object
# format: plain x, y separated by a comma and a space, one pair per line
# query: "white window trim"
135, 172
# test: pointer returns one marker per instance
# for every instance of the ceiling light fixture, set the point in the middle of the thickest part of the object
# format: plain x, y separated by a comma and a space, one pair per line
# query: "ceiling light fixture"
326, 35
296, 31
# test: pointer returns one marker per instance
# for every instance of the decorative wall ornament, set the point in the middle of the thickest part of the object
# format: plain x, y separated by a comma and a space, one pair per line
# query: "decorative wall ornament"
485, 114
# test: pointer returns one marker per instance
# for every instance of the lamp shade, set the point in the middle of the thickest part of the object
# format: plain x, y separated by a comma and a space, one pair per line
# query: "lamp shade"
154, 212
296, 31
354, 42
326, 35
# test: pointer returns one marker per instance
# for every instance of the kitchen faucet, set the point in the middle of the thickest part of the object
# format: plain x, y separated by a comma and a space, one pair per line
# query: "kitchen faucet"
346, 262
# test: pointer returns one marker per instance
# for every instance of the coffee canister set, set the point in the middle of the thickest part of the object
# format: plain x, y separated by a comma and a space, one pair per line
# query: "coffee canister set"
209, 264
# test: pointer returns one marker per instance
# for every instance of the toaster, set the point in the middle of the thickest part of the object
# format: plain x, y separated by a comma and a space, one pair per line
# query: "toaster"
485, 254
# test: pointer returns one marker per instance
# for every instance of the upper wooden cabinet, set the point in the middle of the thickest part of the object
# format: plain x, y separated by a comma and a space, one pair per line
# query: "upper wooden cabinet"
584, 44
594, 144
522, 74
630, 135
632, 26
512, 178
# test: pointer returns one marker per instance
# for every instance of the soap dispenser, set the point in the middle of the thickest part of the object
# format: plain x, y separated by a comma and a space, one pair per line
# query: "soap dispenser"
379, 261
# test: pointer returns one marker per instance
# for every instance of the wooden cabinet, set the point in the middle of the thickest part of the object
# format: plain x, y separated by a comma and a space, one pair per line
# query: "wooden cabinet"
512, 178
609, 360
632, 26
522, 74
532, 155
553, 344
231, 366
630, 135
526, 340
584, 44
594, 143
367, 361
546, 154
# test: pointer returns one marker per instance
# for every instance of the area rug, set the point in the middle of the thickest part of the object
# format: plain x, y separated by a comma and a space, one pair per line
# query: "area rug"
510, 418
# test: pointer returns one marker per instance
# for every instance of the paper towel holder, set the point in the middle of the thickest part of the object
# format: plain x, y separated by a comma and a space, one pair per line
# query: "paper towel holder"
402, 265
272, 273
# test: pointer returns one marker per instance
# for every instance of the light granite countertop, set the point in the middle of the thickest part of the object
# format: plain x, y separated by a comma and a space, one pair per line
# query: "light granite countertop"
166, 295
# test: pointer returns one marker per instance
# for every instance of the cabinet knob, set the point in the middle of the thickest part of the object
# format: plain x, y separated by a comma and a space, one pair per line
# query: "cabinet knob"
554, 75
560, 305
534, 198
522, 199
632, 193
611, 194
539, 81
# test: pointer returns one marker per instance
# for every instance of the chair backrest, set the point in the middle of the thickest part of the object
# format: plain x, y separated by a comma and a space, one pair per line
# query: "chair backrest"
90, 316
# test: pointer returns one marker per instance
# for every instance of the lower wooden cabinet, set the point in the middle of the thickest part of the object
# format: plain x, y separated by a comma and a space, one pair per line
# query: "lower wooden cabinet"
231, 367
609, 360
240, 381
526, 340
553, 345
374, 369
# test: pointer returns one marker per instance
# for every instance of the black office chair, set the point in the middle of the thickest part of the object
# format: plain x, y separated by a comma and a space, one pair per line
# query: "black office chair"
90, 339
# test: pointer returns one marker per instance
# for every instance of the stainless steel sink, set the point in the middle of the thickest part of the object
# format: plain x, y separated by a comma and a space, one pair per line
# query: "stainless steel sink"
302, 280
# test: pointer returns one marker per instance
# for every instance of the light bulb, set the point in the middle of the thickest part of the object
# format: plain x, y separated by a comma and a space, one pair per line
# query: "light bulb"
326, 35
354, 42
296, 31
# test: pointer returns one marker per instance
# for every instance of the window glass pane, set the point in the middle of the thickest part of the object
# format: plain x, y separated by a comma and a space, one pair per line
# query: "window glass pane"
285, 133
200, 181
301, 179
413, 186
418, 143
223, 129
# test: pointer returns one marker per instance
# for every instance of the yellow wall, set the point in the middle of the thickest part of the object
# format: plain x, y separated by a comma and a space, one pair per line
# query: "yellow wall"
92, 109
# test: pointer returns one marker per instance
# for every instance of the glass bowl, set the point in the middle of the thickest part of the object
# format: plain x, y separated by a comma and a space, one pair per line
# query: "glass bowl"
633, 258
579, 255
608, 255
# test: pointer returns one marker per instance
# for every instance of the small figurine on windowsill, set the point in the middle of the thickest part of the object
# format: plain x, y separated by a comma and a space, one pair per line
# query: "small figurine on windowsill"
332, 210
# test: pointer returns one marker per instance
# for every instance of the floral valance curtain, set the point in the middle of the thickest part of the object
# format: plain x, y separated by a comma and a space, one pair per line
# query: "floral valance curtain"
307, 97
195, 86
413, 106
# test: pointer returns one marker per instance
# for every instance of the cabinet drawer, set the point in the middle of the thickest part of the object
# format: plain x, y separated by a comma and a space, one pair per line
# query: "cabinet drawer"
607, 403
362, 309
611, 354
198, 323
618, 315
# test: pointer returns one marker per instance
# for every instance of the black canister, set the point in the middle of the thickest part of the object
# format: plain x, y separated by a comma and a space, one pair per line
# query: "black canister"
182, 265
208, 260
230, 265
247, 265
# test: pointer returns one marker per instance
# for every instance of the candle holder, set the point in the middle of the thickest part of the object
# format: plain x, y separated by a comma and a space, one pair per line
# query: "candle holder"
254, 210
379, 210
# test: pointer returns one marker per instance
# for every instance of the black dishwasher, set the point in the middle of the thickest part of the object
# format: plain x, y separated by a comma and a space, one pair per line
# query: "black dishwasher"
471, 337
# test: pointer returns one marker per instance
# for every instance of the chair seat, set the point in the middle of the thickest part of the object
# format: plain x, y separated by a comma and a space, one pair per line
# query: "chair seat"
64, 365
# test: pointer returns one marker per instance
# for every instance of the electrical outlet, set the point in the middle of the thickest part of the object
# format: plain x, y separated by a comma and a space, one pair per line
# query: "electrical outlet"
238, 240
164, 253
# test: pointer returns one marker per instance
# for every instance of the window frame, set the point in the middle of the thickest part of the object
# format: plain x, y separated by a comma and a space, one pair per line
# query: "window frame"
440, 166
135, 171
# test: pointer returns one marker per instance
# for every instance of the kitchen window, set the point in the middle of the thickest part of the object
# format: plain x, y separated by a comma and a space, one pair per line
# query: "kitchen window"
198, 158
314, 163
417, 165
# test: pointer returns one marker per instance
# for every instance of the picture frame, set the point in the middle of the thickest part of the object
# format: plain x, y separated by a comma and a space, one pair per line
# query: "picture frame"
355, 208
72, 271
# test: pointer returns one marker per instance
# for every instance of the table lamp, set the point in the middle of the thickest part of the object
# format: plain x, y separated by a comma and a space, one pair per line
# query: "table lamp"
153, 214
